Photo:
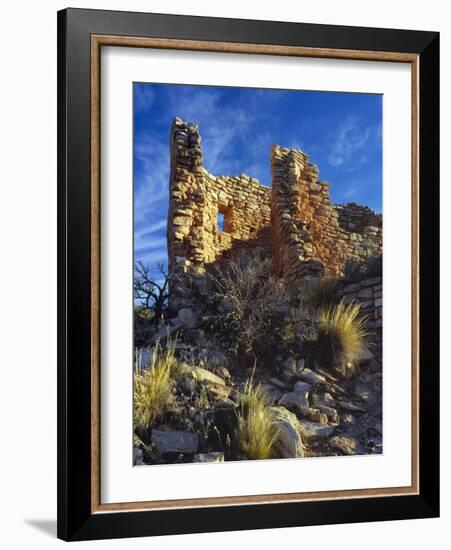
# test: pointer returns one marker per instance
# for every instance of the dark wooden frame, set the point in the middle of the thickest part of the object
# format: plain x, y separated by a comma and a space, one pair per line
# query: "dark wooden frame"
81, 33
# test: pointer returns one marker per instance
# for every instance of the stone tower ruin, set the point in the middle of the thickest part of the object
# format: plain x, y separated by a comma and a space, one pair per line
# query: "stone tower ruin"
212, 218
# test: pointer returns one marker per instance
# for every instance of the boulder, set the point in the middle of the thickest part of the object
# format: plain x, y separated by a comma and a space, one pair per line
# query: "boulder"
204, 375
302, 388
289, 441
214, 383
174, 442
295, 400
311, 377
313, 431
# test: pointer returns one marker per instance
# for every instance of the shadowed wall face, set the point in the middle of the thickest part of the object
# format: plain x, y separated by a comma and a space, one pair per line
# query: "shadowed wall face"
294, 222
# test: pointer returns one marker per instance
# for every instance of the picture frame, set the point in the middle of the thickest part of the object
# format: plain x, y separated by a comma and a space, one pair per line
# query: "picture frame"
81, 36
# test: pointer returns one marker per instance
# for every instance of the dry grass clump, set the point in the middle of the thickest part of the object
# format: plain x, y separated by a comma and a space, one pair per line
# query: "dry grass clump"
257, 431
152, 388
323, 294
340, 336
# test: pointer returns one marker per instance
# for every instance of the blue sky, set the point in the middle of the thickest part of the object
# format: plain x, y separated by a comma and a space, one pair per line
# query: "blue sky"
341, 132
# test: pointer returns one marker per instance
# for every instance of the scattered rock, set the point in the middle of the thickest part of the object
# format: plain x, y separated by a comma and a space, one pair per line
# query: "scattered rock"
295, 400
315, 415
347, 418
331, 413
365, 356
288, 375
345, 444
204, 375
289, 441
363, 392
218, 391
209, 457
189, 386
378, 428
289, 367
300, 365
302, 387
138, 459
174, 442
313, 431
311, 377
348, 406
278, 383
271, 392
323, 400
225, 373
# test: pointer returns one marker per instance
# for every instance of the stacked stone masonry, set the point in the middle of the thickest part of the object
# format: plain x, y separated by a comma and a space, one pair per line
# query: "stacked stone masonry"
294, 221
368, 293
197, 198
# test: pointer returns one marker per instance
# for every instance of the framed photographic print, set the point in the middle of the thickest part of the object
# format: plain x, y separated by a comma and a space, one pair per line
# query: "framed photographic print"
248, 274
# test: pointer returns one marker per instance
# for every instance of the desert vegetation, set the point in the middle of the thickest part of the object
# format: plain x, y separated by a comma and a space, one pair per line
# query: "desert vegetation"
254, 368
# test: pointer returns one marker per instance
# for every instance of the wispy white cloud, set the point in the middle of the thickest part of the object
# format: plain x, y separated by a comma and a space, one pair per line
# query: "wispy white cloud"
150, 230
222, 126
152, 258
152, 181
350, 142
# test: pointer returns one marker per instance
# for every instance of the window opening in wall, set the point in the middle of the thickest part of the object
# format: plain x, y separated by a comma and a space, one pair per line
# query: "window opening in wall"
220, 221
224, 219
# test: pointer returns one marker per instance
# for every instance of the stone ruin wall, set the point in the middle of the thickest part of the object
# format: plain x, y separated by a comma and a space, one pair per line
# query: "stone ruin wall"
196, 199
310, 237
294, 221
368, 293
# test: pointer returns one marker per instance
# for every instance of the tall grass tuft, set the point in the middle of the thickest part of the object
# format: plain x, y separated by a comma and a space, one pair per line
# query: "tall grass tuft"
341, 335
152, 389
257, 430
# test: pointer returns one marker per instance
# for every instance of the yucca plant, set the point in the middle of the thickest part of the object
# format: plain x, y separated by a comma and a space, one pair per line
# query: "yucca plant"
152, 388
340, 337
257, 430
